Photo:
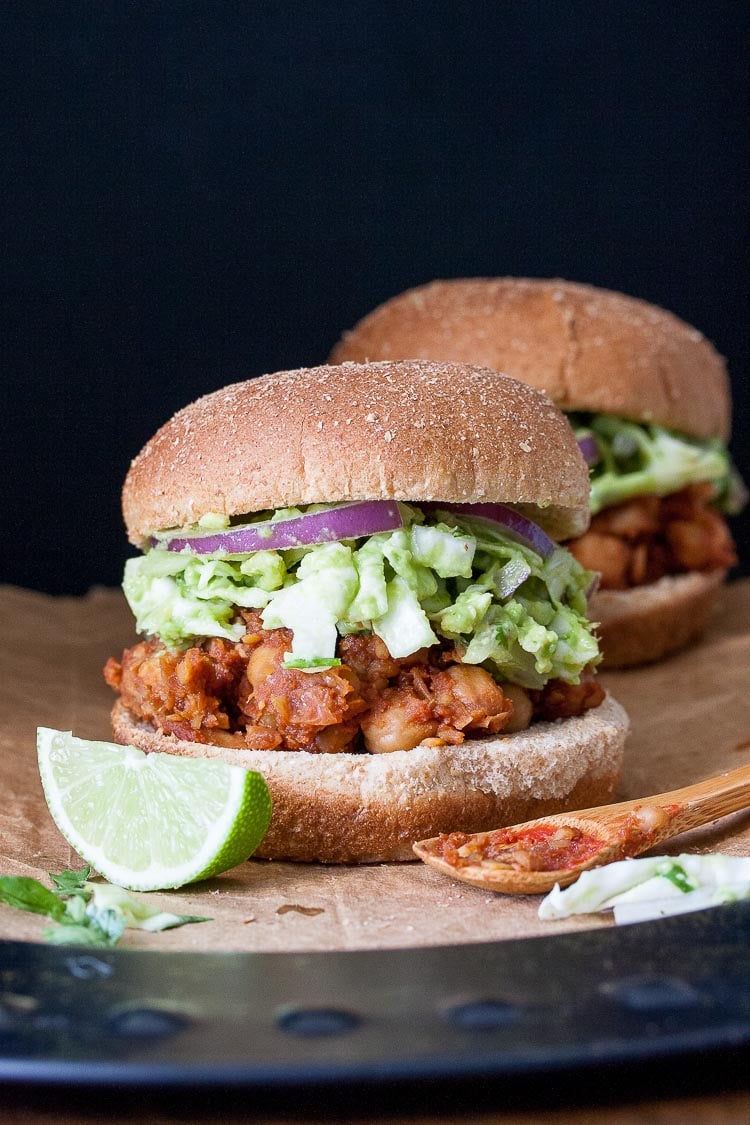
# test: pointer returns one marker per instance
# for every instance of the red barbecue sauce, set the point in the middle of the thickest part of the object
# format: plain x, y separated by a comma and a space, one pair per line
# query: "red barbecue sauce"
544, 847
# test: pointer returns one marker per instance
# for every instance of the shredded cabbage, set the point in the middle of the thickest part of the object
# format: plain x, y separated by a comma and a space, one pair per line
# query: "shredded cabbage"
444, 577
638, 459
653, 887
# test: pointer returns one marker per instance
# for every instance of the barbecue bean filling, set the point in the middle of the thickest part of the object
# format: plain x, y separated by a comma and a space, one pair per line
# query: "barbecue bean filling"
239, 694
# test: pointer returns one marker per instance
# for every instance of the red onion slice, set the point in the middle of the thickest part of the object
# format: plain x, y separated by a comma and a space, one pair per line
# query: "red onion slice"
514, 525
589, 447
349, 521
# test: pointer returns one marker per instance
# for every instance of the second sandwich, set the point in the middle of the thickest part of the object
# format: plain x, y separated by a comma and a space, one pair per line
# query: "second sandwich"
649, 398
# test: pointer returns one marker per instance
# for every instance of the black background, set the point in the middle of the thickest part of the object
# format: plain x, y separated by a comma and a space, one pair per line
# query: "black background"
195, 193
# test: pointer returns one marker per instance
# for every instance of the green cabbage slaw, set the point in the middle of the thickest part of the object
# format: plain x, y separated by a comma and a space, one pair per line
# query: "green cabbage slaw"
442, 577
637, 459
653, 887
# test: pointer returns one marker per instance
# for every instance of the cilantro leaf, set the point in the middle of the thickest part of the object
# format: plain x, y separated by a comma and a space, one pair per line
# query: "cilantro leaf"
29, 894
679, 877
95, 914
72, 882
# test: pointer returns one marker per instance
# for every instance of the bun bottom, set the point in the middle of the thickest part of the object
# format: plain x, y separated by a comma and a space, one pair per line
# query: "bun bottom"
370, 808
647, 623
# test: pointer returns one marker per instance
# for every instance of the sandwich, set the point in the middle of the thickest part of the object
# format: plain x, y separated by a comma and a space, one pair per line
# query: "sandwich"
350, 581
649, 400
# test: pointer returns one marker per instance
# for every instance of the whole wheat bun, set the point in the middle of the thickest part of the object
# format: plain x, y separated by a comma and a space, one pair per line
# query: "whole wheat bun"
589, 349
649, 622
405, 431
366, 808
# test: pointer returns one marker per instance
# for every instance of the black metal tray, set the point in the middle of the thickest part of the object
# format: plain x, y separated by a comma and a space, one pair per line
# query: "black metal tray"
676, 988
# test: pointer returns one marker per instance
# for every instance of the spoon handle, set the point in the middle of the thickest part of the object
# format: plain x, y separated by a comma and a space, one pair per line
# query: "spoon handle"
634, 826
710, 799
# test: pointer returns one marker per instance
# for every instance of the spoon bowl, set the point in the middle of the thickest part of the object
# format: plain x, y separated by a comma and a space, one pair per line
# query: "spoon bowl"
530, 858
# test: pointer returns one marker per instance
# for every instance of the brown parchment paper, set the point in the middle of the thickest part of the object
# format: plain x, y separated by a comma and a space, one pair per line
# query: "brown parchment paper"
690, 716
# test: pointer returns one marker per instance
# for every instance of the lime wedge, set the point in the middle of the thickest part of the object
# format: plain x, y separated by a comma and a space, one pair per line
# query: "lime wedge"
151, 821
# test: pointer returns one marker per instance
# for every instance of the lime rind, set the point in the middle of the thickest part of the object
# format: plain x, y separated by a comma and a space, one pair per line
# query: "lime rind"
151, 821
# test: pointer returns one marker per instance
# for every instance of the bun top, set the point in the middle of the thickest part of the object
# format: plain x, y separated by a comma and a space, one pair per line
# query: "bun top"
406, 431
589, 349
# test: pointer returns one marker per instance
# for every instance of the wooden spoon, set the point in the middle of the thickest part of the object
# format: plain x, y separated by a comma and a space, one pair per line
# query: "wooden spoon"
530, 858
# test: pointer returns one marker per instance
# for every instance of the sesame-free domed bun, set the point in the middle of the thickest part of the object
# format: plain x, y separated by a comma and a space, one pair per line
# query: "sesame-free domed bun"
413, 431
589, 349
359, 808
